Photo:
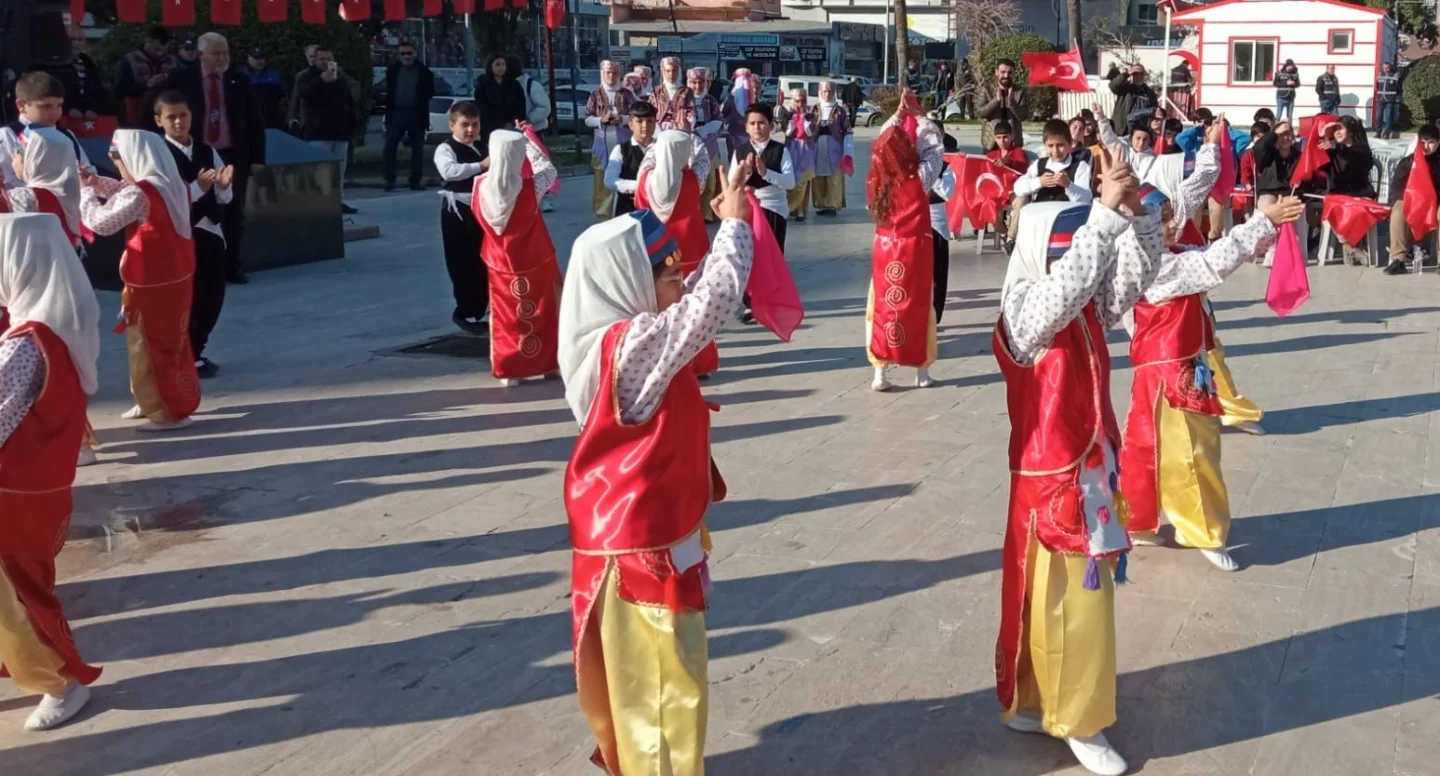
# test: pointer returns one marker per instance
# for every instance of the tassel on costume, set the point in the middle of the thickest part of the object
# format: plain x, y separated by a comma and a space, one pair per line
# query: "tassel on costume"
1092, 575
1120, 577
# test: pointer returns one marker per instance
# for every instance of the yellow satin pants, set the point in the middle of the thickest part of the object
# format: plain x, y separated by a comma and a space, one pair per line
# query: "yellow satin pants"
799, 197
644, 686
34, 666
1238, 409
932, 347
1193, 497
1067, 658
828, 192
602, 200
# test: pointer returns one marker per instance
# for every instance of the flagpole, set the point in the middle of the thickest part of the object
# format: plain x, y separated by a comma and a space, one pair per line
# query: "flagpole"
469, 52
575, 122
885, 72
1165, 63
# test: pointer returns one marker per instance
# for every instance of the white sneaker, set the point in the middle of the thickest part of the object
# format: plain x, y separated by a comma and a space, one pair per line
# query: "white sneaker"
86, 458
1221, 559
1025, 722
923, 379
1097, 756
508, 382
1147, 539
55, 711
879, 383
152, 426
1249, 427
134, 413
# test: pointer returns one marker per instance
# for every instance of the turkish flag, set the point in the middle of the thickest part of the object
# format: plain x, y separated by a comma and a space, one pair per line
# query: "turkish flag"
985, 186
432, 7
1352, 217
1420, 199
177, 13
1225, 184
100, 126
554, 13
312, 11
270, 11
394, 10
494, 5
1312, 156
130, 11
519, 3
955, 210
226, 12
355, 10
462, 7
1289, 286
1063, 70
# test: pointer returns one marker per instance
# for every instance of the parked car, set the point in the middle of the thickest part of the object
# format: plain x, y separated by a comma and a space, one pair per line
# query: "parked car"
869, 115
439, 128
565, 121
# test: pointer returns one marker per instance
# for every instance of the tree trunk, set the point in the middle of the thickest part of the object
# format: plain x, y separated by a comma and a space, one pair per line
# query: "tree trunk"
902, 43
1073, 9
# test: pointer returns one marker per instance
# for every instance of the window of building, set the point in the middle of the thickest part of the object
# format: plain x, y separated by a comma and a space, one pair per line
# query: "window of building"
1252, 61
1145, 13
1342, 42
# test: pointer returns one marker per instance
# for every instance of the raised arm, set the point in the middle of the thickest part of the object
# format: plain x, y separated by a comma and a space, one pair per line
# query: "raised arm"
931, 146
1035, 311
658, 346
109, 216
700, 162
1195, 189
1198, 271
1138, 253
541, 167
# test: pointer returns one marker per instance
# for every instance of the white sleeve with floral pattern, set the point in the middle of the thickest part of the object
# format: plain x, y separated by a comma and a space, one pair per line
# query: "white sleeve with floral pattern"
109, 216
542, 168
1138, 254
1195, 189
22, 378
1199, 270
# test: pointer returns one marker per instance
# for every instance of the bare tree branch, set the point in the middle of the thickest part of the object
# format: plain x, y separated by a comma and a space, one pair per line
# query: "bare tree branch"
979, 22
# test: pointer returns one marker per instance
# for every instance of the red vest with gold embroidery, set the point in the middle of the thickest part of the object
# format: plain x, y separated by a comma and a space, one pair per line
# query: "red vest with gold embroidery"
37, 462
1173, 337
633, 487
1059, 406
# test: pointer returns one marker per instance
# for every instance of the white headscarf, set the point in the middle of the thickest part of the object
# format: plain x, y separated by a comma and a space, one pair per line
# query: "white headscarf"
42, 280
502, 183
672, 152
609, 279
145, 155
1166, 173
1029, 261
50, 164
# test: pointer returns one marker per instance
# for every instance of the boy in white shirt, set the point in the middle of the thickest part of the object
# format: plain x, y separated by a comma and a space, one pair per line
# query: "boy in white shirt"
774, 170
622, 171
459, 160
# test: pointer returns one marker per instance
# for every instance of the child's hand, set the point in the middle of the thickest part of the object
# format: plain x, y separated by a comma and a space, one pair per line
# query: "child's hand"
1285, 210
17, 163
733, 202
87, 177
206, 179
226, 176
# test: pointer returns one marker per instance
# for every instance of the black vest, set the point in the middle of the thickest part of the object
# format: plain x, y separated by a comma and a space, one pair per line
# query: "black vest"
201, 158
19, 126
464, 154
773, 156
631, 156
1053, 193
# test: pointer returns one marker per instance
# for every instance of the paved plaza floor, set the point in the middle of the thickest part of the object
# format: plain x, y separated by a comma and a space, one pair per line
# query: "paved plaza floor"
356, 560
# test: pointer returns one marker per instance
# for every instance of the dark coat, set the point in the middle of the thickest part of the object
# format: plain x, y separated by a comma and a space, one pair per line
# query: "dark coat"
265, 90
1127, 95
501, 104
328, 109
86, 93
1350, 168
424, 90
247, 129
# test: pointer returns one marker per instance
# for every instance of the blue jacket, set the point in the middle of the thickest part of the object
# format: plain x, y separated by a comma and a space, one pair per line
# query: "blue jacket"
1191, 139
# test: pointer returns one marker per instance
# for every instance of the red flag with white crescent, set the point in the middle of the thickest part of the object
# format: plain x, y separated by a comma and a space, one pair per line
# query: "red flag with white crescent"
130, 11
355, 10
271, 11
177, 13
225, 12
1063, 70
432, 7
955, 210
985, 186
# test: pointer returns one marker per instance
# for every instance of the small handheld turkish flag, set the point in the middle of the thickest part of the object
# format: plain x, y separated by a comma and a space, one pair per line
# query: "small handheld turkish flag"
1352, 217
986, 187
1312, 157
1063, 70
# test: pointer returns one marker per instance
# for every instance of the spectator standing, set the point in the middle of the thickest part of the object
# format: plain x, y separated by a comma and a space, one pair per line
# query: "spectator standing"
85, 96
188, 55
1008, 103
1285, 82
329, 113
409, 86
141, 70
293, 119
1387, 100
1132, 95
1327, 88
853, 96
499, 97
537, 108
944, 84
229, 122
966, 91
264, 87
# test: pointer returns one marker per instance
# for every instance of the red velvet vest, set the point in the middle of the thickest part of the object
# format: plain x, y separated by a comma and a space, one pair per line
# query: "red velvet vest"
1059, 406
37, 462
635, 487
49, 203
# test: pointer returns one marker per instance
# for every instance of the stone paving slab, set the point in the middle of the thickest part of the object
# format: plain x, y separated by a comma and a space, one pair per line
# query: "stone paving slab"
355, 562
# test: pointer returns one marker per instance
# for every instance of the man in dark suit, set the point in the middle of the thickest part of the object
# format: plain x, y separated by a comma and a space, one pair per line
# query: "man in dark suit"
228, 120
409, 85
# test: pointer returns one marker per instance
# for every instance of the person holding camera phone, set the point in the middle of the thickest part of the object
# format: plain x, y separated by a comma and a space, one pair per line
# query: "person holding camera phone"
328, 109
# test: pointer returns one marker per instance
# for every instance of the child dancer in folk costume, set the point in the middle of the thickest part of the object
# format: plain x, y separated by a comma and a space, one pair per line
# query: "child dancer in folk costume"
641, 479
707, 125
625, 159
744, 91
907, 161
520, 259
673, 98
47, 366
152, 204
607, 112
1171, 456
49, 176
1055, 659
801, 130
669, 187
834, 153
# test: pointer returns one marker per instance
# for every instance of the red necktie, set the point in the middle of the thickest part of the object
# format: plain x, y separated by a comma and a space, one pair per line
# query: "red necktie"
212, 96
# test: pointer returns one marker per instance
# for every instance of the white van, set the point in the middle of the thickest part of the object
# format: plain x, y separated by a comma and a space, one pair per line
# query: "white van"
810, 83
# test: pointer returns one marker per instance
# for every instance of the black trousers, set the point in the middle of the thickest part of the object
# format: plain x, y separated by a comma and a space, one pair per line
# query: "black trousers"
942, 272
411, 127
777, 223
208, 289
462, 237
233, 225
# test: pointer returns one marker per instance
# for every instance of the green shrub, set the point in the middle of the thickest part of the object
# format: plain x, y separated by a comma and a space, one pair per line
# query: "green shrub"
1042, 100
1420, 91
887, 97
284, 45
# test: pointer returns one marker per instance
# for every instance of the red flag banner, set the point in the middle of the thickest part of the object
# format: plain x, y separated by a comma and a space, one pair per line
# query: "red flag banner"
1289, 286
312, 11
1312, 156
1420, 197
355, 10
1063, 70
493, 5
554, 13
270, 11
225, 12
77, 12
1352, 217
462, 6
395, 10
955, 211
100, 126
432, 7
177, 13
130, 11
519, 3
985, 186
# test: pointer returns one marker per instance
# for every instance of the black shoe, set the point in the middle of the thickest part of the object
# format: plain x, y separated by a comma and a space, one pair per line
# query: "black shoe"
206, 368
417, 187
747, 317
236, 278
1396, 267
826, 212
472, 325
1009, 245
389, 185
347, 210
799, 219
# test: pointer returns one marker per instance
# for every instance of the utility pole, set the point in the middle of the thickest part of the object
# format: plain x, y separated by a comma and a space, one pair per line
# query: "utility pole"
902, 43
1073, 8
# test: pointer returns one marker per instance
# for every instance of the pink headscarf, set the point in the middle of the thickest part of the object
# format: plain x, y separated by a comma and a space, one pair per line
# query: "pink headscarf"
745, 89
